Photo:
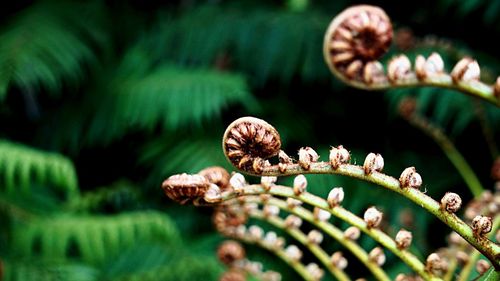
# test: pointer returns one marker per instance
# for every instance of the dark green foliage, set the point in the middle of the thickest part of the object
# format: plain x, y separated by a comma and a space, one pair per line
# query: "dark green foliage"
126, 93
22, 166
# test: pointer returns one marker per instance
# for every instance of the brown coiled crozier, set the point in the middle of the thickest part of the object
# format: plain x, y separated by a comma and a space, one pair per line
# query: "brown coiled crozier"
355, 40
185, 188
248, 142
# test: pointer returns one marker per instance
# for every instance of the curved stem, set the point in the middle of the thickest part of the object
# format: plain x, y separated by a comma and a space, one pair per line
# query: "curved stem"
450, 151
476, 89
330, 230
485, 246
467, 269
296, 265
302, 238
378, 235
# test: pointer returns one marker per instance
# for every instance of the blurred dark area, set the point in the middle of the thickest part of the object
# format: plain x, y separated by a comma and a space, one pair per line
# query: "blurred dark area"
100, 101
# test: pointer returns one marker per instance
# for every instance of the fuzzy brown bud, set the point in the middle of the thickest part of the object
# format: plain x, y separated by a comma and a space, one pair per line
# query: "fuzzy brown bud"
267, 182
315, 237
270, 276
403, 239
315, 271
410, 178
430, 67
271, 210
237, 182
230, 251
481, 225
373, 162
372, 217
255, 232
216, 175
451, 202
399, 69
293, 253
462, 257
338, 260
335, 196
338, 156
436, 265
321, 215
248, 141
292, 203
373, 73
466, 70
307, 156
184, 188
352, 233
284, 161
482, 266
377, 256
293, 221
213, 194
299, 184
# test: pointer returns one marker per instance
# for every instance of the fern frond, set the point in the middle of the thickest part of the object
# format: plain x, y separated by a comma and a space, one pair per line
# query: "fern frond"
167, 97
22, 166
156, 262
40, 271
91, 239
44, 45
120, 196
169, 154
265, 43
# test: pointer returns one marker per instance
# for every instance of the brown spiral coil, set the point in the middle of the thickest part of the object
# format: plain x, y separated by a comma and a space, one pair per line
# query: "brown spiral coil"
248, 142
354, 41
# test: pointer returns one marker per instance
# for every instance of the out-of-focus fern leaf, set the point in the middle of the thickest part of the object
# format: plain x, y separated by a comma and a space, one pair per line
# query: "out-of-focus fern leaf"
22, 166
156, 262
172, 155
92, 239
120, 196
264, 43
166, 97
45, 45
38, 271
447, 108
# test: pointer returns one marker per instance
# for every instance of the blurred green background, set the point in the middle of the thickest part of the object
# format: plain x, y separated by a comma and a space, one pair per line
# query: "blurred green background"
100, 101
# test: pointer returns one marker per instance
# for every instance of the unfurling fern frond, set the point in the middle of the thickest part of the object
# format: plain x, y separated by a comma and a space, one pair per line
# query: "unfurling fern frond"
44, 46
91, 239
22, 166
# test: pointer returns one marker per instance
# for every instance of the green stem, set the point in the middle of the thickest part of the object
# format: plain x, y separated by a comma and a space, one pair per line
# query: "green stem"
302, 238
343, 214
485, 246
450, 151
476, 89
296, 265
330, 230
467, 269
